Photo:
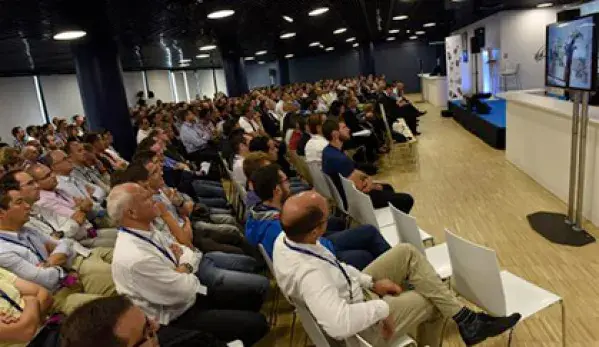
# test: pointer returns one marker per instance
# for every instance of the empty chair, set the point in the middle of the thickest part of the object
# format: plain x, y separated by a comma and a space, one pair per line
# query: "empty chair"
409, 232
478, 279
318, 179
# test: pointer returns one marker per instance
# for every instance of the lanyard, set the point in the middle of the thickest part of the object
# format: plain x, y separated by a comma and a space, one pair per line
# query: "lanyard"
30, 247
141, 237
334, 263
40, 218
63, 197
12, 303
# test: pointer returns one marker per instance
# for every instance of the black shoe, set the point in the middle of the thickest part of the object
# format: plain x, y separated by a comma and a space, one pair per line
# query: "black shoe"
417, 133
485, 326
421, 113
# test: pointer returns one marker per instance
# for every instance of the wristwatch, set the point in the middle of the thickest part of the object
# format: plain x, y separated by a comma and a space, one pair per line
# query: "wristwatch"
187, 267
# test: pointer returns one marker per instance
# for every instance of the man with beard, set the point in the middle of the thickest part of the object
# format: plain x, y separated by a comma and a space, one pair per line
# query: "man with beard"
358, 246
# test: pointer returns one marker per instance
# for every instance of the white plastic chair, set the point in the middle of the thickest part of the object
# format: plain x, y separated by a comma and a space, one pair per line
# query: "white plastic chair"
318, 179
335, 194
409, 232
478, 279
236, 343
319, 339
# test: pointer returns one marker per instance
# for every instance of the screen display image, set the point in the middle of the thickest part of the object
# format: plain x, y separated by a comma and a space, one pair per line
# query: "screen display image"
571, 47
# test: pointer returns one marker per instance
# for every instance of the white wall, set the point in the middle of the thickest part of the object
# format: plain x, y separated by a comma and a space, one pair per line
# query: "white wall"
158, 82
133, 82
180, 85
523, 35
221, 81
62, 96
20, 106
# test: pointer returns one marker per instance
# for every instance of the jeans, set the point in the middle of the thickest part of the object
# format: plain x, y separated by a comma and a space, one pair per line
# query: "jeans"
233, 274
381, 198
208, 189
358, 246
297, 185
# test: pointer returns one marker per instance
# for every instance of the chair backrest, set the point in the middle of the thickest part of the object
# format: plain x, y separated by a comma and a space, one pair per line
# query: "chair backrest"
387, 127
476, 274
407, 228
335, 193
320, 184
311, 326
359, 204
266, 259
300, 166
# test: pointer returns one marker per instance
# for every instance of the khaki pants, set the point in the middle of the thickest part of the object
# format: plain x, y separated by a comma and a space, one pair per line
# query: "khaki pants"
420, 312
95, 280
105, 238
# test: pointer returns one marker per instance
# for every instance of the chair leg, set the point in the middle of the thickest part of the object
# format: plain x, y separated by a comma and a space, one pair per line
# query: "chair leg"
509, 341
293, 321
563, 323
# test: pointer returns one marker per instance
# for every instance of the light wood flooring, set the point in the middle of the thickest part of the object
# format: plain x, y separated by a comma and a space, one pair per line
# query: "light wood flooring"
465, 185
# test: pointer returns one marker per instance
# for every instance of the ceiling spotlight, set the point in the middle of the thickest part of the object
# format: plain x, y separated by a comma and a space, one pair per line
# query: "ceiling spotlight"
207, 48
351, 39
261, 52
420, 32
544, 5
328, 49
390, 38
221, 14
340, 31
203, 56
69, 35
287, 18
289, 56
408, 31
413, 37
184, 61
249, 58
287, 35
321, 46
428, 25
261, 62
318, 11
315, 44
401, 17
393, 31
355, 45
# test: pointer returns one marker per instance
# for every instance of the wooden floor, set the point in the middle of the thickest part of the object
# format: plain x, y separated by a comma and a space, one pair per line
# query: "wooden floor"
465, 185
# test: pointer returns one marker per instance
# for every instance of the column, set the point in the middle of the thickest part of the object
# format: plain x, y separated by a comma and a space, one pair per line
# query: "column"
237, 83
367, 59
102, 91
283, 65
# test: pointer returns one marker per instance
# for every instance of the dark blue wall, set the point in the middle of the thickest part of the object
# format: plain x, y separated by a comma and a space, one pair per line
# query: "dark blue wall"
257, 75
400, 61
331, 65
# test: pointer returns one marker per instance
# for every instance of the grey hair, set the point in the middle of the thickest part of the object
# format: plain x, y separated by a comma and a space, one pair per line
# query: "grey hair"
119, 200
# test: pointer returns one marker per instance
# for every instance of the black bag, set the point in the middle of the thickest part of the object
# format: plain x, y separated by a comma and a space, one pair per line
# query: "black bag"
48, 336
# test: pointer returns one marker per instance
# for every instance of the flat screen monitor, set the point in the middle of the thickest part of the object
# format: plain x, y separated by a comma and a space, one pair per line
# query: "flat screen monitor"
571, 60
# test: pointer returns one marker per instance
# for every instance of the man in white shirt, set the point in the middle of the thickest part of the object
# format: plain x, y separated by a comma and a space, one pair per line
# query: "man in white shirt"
317, 142
144, 129
240, 145
397, 293
159, 275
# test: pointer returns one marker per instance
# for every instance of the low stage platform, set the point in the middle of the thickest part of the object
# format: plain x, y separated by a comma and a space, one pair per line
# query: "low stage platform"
488, 127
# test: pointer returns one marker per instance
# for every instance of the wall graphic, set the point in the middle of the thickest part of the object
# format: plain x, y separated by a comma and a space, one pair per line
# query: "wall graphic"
453, 56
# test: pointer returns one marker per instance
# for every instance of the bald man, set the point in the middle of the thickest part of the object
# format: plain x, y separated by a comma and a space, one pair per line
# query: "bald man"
372, 303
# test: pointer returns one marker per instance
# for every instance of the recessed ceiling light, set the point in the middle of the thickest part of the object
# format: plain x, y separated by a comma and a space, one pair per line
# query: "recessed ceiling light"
249, 58
401, 17
261, 62
184, 61
287, 18
393, 31
203, 56
420, 32
545, 4
318, 11
340, 31
289, 56
221, 14
321, 46
261, 52
408, 31
315, 44
207, 48
287, 35
390, 38
328, 49
428, 25
351, 39
413, 37
69, 35
355, 45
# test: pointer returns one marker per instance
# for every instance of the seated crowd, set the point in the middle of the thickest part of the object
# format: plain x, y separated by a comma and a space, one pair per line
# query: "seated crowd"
101, 250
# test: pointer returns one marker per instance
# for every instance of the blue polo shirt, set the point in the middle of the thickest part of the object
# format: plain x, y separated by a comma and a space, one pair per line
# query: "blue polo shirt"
335, 162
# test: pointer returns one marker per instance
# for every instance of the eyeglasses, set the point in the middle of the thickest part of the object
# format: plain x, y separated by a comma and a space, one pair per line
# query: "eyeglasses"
148, 334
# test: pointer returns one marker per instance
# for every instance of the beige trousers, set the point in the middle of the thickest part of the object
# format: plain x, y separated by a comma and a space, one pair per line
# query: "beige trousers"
420, 312
95, 280
105, 238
